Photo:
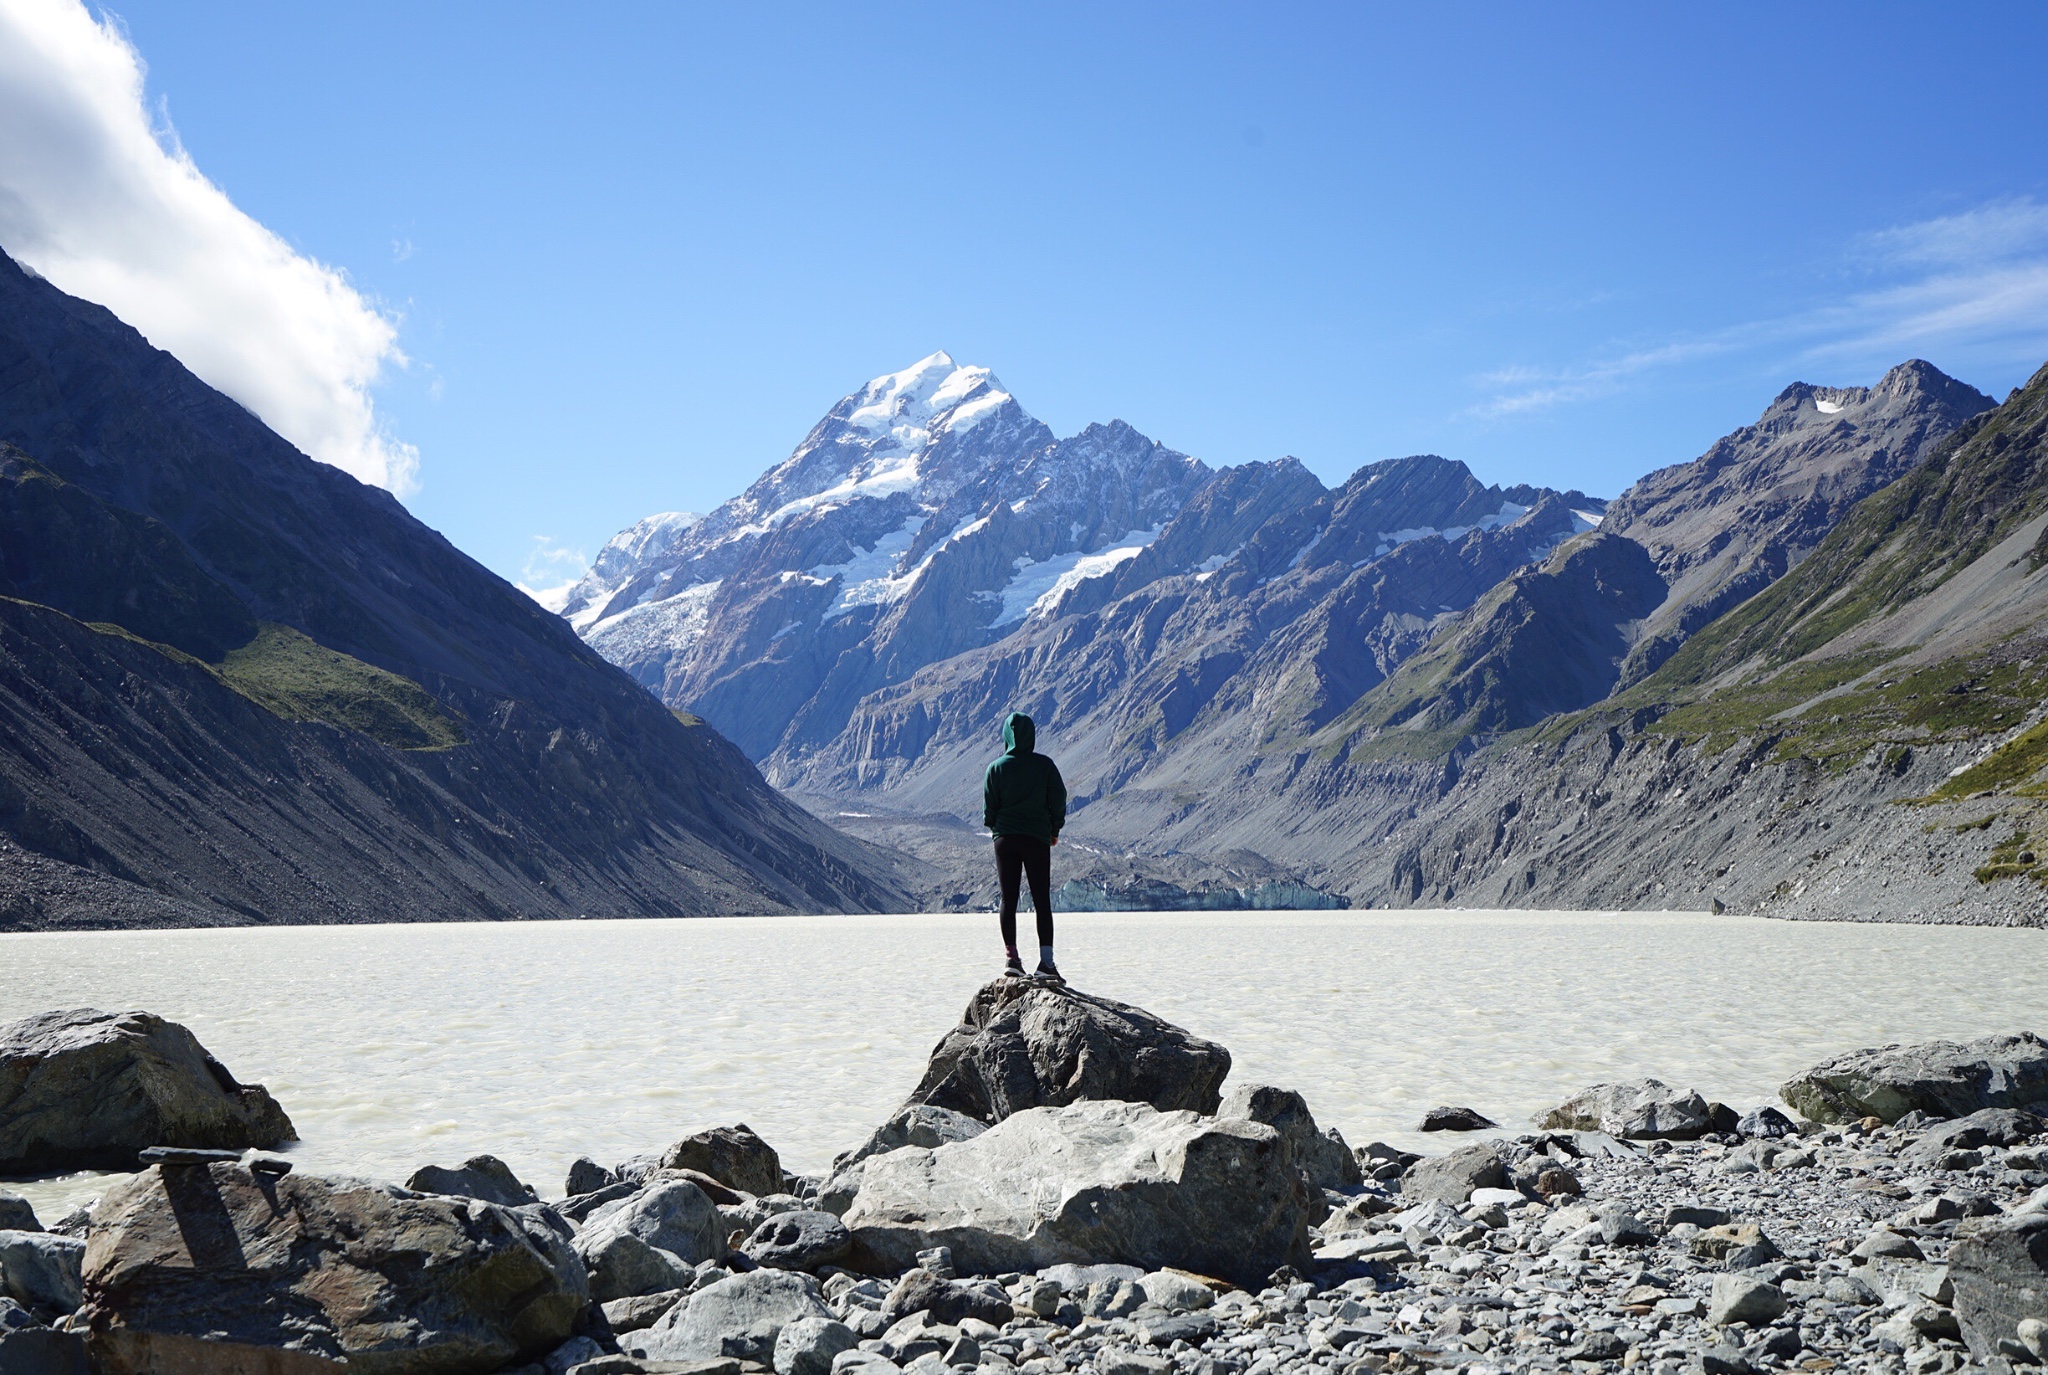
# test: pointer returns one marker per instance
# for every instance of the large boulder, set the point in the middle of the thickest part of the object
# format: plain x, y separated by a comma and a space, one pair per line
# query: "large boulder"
1986, 1127
1641, 1110
481, 1176
205, 1268
737, 1318
647, 1242
1939, 1078
734, 1156
1022, 1045
1092, 1182
41, 1269
88, 1090
1999, 1268
1322, 1155
1454, 1178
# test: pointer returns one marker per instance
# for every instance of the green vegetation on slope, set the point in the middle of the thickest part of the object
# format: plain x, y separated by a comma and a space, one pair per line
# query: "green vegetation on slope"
300, 679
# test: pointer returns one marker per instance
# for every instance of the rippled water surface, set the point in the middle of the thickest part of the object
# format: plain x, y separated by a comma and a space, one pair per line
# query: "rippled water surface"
395, 1046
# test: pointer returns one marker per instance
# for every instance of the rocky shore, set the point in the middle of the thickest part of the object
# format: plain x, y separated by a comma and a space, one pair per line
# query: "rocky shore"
1073, 1186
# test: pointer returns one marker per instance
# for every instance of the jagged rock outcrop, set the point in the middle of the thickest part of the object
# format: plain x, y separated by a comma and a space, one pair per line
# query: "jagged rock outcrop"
1726, 525
1641, 1109
211, 1267
86, 1090
1022, 1044
1215, 1196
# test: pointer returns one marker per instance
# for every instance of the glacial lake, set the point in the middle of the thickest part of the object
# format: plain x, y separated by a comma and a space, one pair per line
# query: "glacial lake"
397, 1046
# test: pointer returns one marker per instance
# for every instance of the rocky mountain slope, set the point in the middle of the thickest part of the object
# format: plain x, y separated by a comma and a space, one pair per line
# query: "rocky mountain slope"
1858, 741
241, 686
1271, 670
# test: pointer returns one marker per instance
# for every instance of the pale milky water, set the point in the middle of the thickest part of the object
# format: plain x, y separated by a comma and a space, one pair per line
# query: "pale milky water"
396, 1046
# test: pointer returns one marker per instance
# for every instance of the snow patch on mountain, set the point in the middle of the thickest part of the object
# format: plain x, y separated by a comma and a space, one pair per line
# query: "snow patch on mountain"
1582, 521
1508, 513
870, 575
1826, 407
1038, 585
671, 624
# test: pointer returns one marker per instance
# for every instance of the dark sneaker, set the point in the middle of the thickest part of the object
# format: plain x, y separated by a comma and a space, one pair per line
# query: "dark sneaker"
1047, 972
1013, 968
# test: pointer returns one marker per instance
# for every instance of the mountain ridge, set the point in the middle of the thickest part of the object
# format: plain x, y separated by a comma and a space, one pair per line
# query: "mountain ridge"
556, 788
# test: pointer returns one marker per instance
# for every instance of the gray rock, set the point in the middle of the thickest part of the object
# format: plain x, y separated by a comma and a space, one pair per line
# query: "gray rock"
571, 1354
640, 1310
1118, 1360
799, 1241
740, 1317
1620, 1227
1176, 1292
1737, 1246
42, 1269
864, 1363
1452, 1178
808, 1346
917, 1124
42, 1351
1641, 1109
340, 1269
481, 1176
946, 1301
16, 1215
580, 1207
1023, 1045
734, 1156
1094, 1181
1740, 1298
1985, 1127
1999, 1270
89, 1090
1322, 1155
1449, 1119
622, 1266
671, 1215
1940, 1078
586, 1176
1883, 1241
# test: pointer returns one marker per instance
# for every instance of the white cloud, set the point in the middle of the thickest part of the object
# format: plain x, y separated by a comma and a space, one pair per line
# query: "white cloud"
103, 202
550, 572
1973, 282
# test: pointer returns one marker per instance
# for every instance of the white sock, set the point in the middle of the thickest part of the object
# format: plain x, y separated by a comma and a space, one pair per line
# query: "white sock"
1045, 954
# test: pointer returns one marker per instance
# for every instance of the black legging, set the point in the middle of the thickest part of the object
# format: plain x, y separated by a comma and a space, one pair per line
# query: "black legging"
1033, 858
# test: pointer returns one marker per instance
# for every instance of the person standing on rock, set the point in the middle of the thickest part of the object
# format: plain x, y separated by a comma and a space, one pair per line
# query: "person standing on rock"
1024, 805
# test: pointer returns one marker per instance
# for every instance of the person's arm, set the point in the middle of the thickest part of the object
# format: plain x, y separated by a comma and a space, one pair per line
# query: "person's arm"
988, 798
1056, 799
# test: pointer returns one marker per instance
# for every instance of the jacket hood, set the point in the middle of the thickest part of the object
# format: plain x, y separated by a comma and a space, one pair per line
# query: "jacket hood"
1019, 735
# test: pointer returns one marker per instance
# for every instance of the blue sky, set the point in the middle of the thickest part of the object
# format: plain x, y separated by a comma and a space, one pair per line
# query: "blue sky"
632, 253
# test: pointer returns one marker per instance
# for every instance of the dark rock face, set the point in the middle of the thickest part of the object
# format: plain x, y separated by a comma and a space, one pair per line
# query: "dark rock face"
1023, 1045
1450, 1119
87, 1090
1322, 1155
799, 1241
185, 788
192, 1268
1939, 1078
2000, 1271
734, 1156
483, 1176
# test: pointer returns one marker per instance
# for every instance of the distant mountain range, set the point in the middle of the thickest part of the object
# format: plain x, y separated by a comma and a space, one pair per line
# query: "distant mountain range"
1262, 689
240, 686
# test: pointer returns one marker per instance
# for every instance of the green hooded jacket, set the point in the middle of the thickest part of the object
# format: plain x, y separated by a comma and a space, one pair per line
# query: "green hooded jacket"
1022, 794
